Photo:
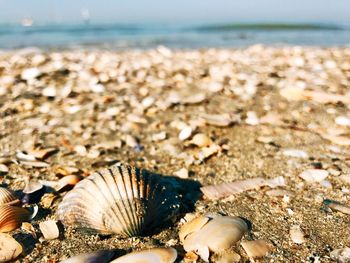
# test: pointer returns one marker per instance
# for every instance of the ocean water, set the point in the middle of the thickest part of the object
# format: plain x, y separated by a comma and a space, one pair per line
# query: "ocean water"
122, 36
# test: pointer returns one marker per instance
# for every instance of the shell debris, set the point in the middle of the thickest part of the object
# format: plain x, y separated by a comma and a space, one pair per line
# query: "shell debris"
49, 229
153, 255
10, 249
257, 248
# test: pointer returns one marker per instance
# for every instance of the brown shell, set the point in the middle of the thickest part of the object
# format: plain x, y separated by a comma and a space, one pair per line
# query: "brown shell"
120, 199
11, 217
7, 197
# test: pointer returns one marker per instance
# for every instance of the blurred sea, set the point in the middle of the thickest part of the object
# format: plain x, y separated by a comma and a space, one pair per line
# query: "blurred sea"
124, 36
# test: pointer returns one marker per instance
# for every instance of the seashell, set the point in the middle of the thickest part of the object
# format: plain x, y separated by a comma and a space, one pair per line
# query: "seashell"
49, 229
7, 197
228, 257
201, 140
3, 169
295, 153
314, 175
185, 133
224, 231
227, 189
153, 255
341, 255
29, 228
103, 256
120, 199
342, 120
297, 235
11, 217
257, 248
220, 120
9, 248
182, 173
206, 152
33, 192
336, 206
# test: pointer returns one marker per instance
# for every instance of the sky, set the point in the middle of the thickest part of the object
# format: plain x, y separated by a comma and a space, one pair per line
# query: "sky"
176, 11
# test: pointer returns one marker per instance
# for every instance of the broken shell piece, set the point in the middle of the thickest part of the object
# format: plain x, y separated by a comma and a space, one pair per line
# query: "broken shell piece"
3, 169
342, 120
220, 120
153, 255
227, 189
279, 192
103, 256
159, 136
314, 175
120, 199
207, 152
33, 192
182, 173
295, 153
228, 257
336, 206
69, 180
212, 233
28, 227
7, 197
9, 248
49, 229
297, 235
11, 217
41, 153
185, 133
341, 255
257, 248
201, 140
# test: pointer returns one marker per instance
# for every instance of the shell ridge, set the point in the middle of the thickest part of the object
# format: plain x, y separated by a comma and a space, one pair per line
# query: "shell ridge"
126, 200
115, 207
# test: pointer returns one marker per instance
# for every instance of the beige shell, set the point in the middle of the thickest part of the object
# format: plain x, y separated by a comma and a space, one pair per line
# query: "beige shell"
7, 197
212, 233
257, 248
154, 255
11, 217
9, 248
120, 199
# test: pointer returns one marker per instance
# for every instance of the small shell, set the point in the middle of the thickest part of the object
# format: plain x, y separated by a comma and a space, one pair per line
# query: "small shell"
103, 256
257, 248
201, 140
7, 197
341, 255
49, 229
153, 255
336, 206
297, 235
11, 217
314, 175
185, 133
9, 248
220, 120
33, 192
224, 231
120, 199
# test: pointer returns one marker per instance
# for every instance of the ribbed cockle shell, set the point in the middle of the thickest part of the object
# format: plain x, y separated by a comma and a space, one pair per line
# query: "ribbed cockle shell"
11, 217
7, 197
120, 199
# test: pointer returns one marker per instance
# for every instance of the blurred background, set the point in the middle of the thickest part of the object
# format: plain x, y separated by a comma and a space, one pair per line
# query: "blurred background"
178, 24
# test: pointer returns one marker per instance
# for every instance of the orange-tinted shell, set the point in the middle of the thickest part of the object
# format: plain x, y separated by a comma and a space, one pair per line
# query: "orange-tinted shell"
7, 197
11, 217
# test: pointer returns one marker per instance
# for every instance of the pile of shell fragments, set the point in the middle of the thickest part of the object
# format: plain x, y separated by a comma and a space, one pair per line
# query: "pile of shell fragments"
245, 155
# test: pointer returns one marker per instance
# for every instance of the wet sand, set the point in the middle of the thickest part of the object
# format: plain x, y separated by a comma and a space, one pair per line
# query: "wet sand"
288, 109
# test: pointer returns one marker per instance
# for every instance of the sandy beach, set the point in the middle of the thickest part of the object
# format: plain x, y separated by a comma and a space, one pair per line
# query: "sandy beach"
258, 112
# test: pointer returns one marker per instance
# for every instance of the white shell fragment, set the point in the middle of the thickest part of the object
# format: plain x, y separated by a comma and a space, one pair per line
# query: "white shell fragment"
227, 189
296, 234
212, 233
295, 153
336, 206
185, 133
342, 120
153, 255
120, 199
220, 120
182, 173
341, 255
201, 140
49, 229
314, 175
257, 248
9, 248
